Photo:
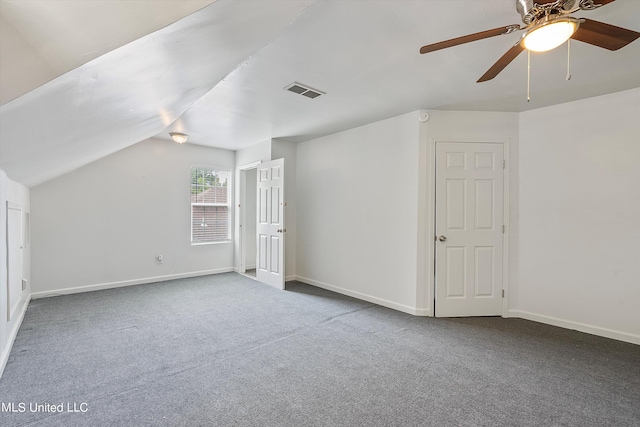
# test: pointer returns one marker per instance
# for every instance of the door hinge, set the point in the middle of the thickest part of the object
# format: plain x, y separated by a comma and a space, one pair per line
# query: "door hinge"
503, 228
503, 293
504, 164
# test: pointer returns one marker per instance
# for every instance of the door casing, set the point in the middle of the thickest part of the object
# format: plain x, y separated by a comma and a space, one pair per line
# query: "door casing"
242, 244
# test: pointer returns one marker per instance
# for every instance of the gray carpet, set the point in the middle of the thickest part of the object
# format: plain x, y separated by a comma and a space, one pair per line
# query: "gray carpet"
225, 350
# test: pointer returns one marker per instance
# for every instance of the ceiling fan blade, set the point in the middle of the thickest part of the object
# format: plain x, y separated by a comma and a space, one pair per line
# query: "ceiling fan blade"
604, 35
502, 63
602, 2
587, 4
469, 38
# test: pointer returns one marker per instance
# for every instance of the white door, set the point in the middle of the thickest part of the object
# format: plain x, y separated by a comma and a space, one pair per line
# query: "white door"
270, 224
469, 229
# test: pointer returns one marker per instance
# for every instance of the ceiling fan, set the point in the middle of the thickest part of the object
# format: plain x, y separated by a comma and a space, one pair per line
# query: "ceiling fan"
548, 24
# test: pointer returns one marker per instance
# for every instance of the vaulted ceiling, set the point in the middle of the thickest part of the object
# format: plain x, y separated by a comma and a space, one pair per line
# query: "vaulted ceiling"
81, 79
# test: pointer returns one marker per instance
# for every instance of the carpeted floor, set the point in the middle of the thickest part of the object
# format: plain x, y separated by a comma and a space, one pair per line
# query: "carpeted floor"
225, 350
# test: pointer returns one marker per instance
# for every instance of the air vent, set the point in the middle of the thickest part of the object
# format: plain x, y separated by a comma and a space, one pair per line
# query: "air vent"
304, 90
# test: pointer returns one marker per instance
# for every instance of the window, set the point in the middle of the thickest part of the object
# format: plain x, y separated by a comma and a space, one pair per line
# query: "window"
210, 194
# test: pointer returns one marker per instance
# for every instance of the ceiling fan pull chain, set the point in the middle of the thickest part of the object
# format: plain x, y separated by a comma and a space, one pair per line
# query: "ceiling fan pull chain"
568, 59
528, 75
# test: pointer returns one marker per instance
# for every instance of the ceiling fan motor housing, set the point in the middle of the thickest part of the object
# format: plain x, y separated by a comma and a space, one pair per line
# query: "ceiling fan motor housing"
531, 11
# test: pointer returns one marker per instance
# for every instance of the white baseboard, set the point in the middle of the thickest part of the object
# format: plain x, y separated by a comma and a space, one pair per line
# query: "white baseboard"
101, 286
423, 312
577, 326
4, 357
290, 278
365, 297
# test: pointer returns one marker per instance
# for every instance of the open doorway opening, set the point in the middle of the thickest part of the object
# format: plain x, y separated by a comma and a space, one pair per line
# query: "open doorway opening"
248, 220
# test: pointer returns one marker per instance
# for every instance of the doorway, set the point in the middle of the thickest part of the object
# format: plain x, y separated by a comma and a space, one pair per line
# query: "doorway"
248, 221
470, 239
261, 222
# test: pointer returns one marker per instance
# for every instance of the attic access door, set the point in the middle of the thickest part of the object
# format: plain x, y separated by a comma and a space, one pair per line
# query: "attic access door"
270, 223
469, 244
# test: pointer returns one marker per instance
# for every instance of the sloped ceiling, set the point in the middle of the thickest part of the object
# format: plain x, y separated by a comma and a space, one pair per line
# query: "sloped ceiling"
43, 39
218, 73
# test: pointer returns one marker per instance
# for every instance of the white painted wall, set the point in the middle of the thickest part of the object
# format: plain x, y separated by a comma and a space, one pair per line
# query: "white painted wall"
357, 210
579, 242
18, 194
350, 242
288, 151
259, 152
104, 224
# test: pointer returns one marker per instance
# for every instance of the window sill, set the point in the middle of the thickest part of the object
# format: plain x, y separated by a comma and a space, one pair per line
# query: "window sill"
210, 243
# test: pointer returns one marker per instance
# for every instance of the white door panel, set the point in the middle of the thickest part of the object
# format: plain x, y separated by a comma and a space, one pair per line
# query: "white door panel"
469, 229
270, 227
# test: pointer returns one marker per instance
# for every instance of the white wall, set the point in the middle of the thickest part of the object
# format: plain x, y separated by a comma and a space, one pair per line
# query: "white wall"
357, 208
17, 194
579, 243
365, 204
104, 224
260, 152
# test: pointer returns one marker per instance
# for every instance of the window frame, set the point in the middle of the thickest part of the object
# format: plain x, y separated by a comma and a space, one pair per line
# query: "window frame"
228, 204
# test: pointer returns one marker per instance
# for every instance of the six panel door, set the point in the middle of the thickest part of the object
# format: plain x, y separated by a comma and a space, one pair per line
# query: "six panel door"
469, 229
270, 227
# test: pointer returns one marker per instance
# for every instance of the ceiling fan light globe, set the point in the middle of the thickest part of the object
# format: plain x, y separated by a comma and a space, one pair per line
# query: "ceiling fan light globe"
549, 36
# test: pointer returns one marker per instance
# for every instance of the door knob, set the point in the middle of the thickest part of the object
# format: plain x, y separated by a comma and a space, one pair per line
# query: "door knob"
442, 238
281, 230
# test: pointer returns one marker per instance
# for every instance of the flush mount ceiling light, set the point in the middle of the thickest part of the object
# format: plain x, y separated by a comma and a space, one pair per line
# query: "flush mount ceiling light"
179, 137
549, 34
